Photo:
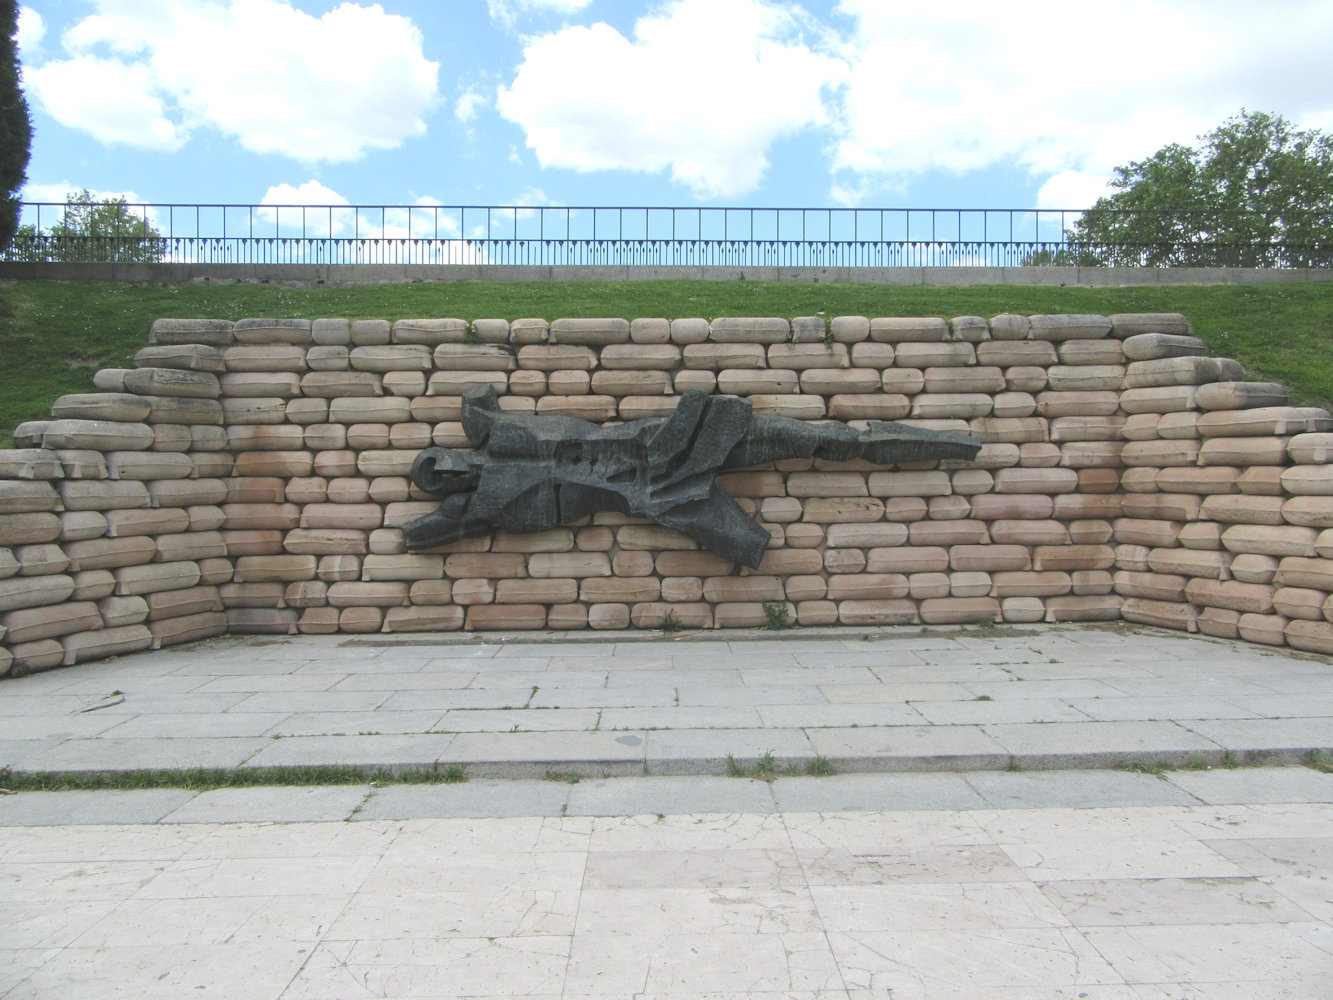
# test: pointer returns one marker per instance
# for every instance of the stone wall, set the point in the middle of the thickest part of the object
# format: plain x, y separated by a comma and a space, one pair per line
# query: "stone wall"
252, 477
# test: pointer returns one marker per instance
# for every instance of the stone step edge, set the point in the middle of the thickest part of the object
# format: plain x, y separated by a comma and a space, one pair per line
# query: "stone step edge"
742, 766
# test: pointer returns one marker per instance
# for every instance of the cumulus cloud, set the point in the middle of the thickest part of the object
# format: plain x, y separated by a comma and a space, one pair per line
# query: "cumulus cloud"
31, 31
277, 80
703, 89
1064, 91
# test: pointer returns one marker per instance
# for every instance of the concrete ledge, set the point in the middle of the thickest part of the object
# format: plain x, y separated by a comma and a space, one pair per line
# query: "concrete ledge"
367, 274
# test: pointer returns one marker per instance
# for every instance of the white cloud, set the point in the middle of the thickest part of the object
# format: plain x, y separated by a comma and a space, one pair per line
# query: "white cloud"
1063, 90
147, 73
704, 89
469, 105
31, 31
1073, 189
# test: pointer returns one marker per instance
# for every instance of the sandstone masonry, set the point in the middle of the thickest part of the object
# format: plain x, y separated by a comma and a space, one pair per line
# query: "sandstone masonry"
252, 477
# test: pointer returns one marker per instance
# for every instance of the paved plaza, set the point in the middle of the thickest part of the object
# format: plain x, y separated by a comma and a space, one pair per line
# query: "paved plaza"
1106, 813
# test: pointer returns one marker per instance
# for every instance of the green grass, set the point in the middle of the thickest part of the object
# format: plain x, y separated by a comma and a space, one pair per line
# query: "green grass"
57, 334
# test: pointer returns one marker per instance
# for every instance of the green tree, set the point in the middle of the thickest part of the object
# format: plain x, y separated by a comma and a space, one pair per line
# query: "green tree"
92, 230
15, 125
1258, 193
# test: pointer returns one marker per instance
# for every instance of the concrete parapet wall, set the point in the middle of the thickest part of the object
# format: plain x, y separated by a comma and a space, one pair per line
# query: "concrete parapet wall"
252, 476
379, 274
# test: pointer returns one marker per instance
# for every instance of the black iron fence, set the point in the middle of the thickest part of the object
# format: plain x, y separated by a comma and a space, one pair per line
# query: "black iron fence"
708, 237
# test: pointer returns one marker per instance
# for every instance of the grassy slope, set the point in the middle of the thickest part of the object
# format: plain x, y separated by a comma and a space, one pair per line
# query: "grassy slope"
54, 336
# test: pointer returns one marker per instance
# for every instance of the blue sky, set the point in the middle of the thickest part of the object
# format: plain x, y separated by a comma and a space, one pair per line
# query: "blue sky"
646, 102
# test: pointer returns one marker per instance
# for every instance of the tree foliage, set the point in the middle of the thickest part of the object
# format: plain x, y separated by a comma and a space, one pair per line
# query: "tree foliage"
15, 125
92, 230
1258, 193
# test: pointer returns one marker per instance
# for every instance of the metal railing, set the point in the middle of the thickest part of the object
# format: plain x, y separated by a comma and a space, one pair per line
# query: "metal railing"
645, 236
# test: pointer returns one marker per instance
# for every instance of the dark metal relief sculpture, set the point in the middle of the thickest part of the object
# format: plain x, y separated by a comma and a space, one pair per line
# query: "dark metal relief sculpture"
530, 473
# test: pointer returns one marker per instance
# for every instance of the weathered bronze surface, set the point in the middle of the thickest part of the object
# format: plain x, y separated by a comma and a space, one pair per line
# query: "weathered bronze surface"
530, 473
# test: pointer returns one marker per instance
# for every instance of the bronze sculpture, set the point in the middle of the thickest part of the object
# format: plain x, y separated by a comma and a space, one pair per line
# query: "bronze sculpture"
530, 473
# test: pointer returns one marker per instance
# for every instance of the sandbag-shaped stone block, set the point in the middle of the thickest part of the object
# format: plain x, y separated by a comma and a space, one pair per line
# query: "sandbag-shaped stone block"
253, 410
368, 410
1308, 511
959, 610
262, 621
402, 567
504, 617
34, 592
262, 516
867, 611
1163, 506
1301, 571
936, 405
1280, 541
1268, 630
27, 497
1202, 563
166, 604
1029, 532
592, 332
279, 568
593, 408
1235, 395
713, 357
1221, 623
1312, 637
1311, 449
1250, 567
431, 332
1068, 327
625, 382
1182, 371
118, 611
265, 358
146, 465
341, 384
1030, 583
30, 464
1077, 402
1091, 352
934, 355
186, 410
995, 506
1161, 614
152, 577
442, 618
867, 586
989, 558
1036, 480
1264, 421
1155, 346
210, 332
162, 520
392, 358
172, 382
748, 382
900, 329
826, 484
49, 621
1308, 480
750, 330
187, 628
102, 643
368, 594
1160, 454
1159, 399
1084, 608
265, 437
116, 406
1243, 509
97, 435
1085, 378
1243, 451
1253, 598
273, 331
1300, 602
78, 495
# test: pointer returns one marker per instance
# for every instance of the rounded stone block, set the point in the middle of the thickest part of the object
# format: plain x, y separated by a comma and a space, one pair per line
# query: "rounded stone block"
896, 329
1068, 327
1265, 421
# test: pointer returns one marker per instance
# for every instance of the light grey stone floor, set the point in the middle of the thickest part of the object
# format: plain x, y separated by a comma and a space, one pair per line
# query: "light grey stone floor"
1001, 886
982, 839
605, 704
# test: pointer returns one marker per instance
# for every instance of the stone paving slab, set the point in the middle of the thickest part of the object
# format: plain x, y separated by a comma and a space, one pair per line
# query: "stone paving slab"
515, 705
940, 885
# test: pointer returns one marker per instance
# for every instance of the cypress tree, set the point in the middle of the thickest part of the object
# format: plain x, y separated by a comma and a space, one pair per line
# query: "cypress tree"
15, 125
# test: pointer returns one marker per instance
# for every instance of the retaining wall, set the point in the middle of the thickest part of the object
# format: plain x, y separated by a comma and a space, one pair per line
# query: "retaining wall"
252, 477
